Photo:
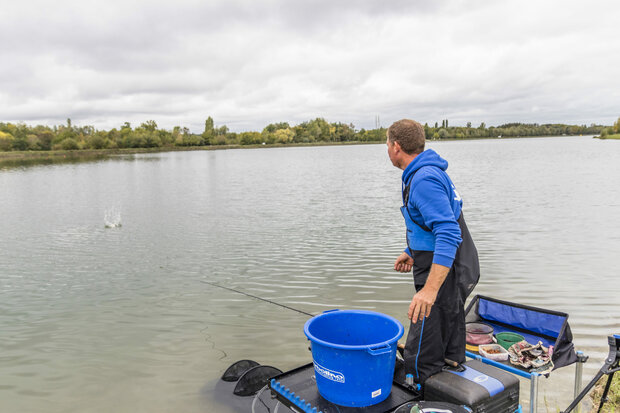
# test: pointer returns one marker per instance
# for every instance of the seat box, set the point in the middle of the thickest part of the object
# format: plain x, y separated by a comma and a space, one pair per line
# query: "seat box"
484, 388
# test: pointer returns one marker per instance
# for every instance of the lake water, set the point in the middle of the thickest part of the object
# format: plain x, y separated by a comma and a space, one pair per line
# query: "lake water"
102, 308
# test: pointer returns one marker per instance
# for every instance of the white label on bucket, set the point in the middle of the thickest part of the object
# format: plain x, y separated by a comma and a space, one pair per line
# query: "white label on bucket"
376, 393
329, 374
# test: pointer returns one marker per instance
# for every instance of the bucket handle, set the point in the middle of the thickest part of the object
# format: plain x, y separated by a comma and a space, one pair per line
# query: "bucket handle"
377, 351
329, 311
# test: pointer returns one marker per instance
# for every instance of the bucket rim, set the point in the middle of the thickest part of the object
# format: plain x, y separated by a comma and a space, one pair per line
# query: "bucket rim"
329, 313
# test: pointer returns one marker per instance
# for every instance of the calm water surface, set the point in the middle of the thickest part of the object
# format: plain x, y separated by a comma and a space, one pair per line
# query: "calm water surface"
102, 308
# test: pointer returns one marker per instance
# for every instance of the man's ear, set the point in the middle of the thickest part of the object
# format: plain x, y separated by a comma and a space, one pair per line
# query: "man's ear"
397, 147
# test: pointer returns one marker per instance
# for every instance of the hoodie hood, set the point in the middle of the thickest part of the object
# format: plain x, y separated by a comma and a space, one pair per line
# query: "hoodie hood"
426, 158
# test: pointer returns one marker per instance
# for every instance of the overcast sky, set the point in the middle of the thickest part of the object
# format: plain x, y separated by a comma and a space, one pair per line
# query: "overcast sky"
248, 63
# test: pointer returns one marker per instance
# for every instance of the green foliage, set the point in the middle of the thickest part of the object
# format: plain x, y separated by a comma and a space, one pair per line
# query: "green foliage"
272, 127
372, 135
46, 136
6, 141
20, 137
613, 397
69, 144
97, 141
284, 135
208, 136
250, 138
149, 125
209, 125
510, 130
20, 144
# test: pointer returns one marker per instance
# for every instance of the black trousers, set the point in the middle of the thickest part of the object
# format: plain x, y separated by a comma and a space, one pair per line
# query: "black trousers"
441, 335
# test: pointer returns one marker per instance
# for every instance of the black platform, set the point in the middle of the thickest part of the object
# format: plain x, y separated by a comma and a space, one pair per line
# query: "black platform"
297, 390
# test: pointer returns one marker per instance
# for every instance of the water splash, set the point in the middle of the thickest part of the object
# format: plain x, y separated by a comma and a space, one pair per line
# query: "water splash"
112, 218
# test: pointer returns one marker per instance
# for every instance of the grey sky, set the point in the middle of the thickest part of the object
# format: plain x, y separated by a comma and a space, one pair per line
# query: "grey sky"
250, 63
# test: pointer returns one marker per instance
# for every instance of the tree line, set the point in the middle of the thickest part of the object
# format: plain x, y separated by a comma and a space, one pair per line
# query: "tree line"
21, 137
611, 130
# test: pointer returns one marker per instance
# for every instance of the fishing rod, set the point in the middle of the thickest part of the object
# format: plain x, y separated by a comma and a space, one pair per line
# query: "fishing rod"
258, 298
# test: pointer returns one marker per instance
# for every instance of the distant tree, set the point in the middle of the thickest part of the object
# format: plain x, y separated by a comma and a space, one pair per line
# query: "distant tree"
97, 141
6, 141
277, 132
250, 138
46, 137
113, 137
149, 125
165, 137
209, 133
284, 135
20, 144
209, 125
272, 127
33, 142
342, 132
231, 138
427, 131
222, 130
69, 144
69, 136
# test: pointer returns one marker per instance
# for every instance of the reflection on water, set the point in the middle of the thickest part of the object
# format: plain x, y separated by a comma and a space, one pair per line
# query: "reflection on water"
8, 163
44, 159
94, 319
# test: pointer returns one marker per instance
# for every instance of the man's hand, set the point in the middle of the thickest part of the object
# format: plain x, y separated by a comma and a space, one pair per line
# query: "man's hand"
403, 263
421, 304
424, 299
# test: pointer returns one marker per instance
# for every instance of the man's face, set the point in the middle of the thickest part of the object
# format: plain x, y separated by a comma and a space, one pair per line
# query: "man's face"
391, 149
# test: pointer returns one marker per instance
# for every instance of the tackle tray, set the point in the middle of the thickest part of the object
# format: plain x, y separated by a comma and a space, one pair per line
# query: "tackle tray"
297, 390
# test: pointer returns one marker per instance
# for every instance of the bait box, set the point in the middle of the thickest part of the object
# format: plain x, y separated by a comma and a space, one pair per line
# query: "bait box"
493, 352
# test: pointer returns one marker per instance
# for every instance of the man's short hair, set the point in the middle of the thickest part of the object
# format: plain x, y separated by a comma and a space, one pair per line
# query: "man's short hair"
409, 134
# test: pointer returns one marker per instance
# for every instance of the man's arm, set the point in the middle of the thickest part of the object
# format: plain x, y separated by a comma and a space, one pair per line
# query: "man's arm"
432, 201
424, 299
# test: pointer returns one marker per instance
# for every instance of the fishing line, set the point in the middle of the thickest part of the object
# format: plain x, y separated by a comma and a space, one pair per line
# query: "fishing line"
258, 298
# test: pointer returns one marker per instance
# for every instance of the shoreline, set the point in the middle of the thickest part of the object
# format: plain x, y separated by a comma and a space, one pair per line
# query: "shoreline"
95, 153
13, 158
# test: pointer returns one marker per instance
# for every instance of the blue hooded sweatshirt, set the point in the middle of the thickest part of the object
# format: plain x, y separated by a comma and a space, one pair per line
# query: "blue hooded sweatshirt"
433, 204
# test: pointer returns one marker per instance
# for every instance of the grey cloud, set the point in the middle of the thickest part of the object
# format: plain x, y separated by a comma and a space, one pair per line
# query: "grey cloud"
248, 63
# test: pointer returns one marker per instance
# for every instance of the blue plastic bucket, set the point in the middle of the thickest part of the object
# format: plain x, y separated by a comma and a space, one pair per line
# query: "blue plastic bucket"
354, 352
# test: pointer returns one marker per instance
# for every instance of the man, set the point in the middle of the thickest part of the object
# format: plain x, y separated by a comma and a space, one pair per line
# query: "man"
440, 251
